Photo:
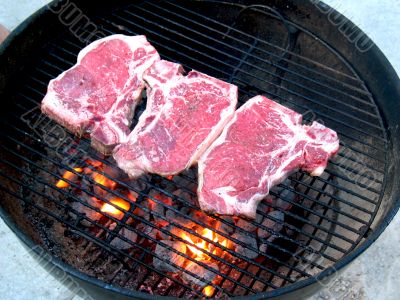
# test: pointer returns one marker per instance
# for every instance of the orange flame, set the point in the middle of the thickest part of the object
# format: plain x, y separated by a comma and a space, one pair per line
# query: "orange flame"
104, 181
208, 291
67, 175
203, 244
94, 163
112, 210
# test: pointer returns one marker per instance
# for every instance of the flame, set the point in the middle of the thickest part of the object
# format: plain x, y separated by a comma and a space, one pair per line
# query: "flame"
67, 175
208, 291
94, 163
113, 211
203, 244
104, 181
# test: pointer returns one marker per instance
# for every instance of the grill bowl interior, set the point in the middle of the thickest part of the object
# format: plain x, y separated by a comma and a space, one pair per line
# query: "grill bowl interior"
289, 53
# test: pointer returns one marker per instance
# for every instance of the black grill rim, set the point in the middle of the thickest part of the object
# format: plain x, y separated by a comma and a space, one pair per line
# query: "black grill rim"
388, 70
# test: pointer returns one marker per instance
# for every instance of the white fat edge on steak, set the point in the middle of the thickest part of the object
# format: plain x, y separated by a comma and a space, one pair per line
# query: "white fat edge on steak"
225, 116
247, 208
134, 42
131, 166
232, 204
51, 99
201, 165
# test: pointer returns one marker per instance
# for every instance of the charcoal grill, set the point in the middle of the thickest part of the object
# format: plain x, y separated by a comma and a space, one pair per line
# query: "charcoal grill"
287, 50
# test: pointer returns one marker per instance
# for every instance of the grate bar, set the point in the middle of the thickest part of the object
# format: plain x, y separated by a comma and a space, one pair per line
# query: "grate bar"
137, 231
123, 184
363, 164
167, 194
342, 133
327, 170
324, 75
255, 77
293, 203
313, 204
209, 20
231, 28
154, 213
253, 56
127, 186
202, 224
87, 236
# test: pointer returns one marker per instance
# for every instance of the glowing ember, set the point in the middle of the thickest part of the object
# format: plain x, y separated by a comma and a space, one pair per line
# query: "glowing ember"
94, 163
203, 244
112, 210
104, 181
67, 175
198, 255
208, 291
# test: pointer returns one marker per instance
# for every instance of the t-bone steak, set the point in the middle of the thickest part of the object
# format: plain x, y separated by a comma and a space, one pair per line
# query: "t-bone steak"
99, 94
260, 147
184, 115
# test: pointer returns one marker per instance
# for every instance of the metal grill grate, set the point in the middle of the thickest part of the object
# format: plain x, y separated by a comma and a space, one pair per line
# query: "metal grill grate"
331, 214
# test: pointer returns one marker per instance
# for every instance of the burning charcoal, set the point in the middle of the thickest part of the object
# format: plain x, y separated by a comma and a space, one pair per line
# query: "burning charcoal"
263, 248
141, 212
163, 236
248, 241
181, 233
183, 195
177, 218
90, 213
180, 180
199, 216
246, 225
147, 230
113, 172
226, 228
284, 197
173, 230
159, 209
126, 233
132, 195
145, 289
137, 185
94, 202
200, 271
259, 218
169, 256
260, 286
191, 173
275, 226
185, 210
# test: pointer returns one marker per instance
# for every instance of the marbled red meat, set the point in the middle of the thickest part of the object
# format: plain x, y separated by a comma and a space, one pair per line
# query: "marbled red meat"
263, 144
99, 94
183, 116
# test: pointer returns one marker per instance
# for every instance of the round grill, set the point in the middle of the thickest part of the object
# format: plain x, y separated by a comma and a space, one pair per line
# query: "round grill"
262, 49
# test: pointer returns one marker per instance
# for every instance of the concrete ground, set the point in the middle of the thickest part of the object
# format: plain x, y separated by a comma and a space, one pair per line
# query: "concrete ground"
371, 277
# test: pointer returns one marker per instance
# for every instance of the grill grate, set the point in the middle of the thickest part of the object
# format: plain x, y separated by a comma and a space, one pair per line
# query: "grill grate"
332, 213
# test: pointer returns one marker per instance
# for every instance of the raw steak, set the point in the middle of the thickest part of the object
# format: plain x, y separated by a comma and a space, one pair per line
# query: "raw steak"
99, 94
183, 116
259, 148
